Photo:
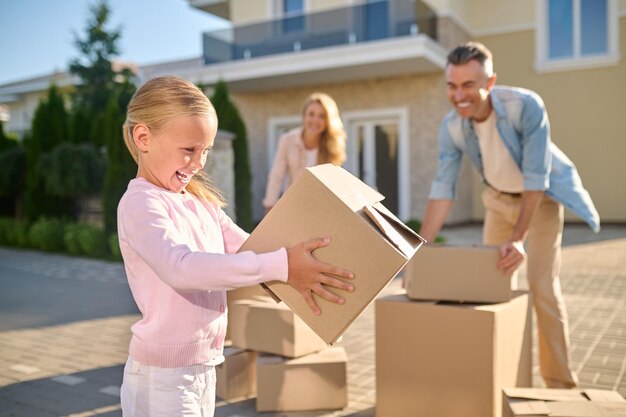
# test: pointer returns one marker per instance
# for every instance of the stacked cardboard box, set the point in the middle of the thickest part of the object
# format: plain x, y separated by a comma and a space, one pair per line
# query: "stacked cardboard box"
236, 376
458, 273
262, 325
438, 356
312, 382
294, 359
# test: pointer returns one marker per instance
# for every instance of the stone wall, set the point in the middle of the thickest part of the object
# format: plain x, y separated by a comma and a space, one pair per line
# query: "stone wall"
220, 167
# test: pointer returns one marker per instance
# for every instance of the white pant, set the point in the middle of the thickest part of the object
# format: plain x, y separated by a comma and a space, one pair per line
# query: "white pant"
149, 391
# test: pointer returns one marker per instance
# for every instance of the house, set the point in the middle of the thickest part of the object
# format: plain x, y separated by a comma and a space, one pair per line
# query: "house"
383, 62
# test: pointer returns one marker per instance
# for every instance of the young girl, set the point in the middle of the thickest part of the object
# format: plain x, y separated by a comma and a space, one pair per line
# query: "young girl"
180, 255
321, 139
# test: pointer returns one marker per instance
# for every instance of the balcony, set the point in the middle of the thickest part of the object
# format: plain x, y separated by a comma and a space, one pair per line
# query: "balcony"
375, 21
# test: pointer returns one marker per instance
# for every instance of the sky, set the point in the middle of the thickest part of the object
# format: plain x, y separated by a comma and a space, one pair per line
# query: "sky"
36, 36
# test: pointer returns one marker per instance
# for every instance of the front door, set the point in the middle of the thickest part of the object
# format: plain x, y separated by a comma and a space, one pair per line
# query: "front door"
373, 157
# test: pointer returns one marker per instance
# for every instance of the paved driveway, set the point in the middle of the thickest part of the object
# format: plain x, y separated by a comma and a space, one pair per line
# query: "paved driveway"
64, 329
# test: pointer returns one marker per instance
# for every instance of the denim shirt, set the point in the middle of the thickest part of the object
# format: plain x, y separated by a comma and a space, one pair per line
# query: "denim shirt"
522, 122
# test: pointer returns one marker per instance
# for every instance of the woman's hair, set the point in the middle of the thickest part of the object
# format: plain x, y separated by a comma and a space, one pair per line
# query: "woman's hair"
332, 147
157, 102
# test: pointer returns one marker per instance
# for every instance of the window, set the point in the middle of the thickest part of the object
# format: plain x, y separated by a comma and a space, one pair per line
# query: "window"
576, 33
293, 15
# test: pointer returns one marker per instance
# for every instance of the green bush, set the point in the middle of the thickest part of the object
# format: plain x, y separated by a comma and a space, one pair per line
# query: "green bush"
21, 234
70, 237
92, 241
47, 234
114, 247
8, 231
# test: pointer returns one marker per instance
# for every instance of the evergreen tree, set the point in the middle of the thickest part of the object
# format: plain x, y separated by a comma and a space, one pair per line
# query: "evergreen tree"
230, 120
13, 163
95, 70
49, 128
121, 167
100, 104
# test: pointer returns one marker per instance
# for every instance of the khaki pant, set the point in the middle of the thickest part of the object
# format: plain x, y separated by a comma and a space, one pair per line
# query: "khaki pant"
543, 249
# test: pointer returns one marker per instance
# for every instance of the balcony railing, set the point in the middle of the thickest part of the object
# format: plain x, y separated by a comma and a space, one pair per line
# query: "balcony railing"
350, 25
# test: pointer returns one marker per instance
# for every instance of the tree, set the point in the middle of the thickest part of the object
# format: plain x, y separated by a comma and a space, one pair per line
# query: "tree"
121, 167
100, 103
95, 70
230, 120
13, 163
49, 128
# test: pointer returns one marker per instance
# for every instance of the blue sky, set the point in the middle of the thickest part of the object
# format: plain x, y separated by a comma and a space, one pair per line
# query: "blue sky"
36, 36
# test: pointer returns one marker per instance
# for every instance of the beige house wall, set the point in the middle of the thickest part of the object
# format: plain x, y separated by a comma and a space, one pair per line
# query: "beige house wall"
243, 12
586, 110
423, 96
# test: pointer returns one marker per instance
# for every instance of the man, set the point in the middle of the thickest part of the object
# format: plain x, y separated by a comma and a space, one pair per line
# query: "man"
505, 133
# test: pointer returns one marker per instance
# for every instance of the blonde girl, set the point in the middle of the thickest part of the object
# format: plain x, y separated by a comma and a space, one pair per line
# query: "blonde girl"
321, 139
180, 254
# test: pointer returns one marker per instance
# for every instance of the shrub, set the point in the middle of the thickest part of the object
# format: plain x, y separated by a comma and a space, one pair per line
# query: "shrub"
92, 241
47, 234
70, 238
114, 247
6, 227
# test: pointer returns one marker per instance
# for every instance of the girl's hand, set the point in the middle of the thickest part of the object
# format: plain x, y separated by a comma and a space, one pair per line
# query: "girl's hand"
309, 275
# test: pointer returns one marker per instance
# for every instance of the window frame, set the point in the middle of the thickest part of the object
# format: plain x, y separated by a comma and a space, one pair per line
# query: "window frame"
543, 63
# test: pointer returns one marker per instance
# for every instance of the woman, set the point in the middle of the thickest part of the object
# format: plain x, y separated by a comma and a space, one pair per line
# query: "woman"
321, 139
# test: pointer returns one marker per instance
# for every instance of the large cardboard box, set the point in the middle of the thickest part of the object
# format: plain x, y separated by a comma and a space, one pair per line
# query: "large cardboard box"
458, 273
367, 239
263, 325
538, 402
236, 376
449, 360
312, 382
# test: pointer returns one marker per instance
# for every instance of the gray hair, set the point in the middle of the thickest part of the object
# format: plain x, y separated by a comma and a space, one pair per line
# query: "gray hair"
469, 51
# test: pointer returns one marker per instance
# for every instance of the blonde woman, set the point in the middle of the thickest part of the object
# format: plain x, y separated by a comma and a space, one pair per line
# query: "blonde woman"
321, 139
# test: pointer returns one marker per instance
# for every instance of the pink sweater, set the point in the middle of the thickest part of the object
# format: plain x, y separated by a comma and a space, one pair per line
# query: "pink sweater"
180, 258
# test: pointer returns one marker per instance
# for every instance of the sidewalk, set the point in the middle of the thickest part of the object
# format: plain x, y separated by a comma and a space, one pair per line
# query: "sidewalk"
74, 367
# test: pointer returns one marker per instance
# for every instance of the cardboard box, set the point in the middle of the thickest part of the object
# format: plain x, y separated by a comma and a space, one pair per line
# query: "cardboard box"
367, 239
312, 382
457, 273
538, 402
262, 325
452, 360
236, 377
243, 293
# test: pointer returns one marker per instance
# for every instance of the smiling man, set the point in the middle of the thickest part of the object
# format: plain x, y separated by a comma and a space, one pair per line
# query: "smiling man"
506, 134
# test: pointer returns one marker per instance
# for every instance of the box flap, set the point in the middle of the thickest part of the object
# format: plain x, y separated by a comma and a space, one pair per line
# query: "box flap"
403, 238
329, 355
529, 408
348, 188
574, 409
543, 394
603, 395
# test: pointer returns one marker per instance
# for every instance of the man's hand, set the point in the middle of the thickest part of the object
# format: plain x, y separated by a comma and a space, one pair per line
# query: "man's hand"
512, 255
309, 275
